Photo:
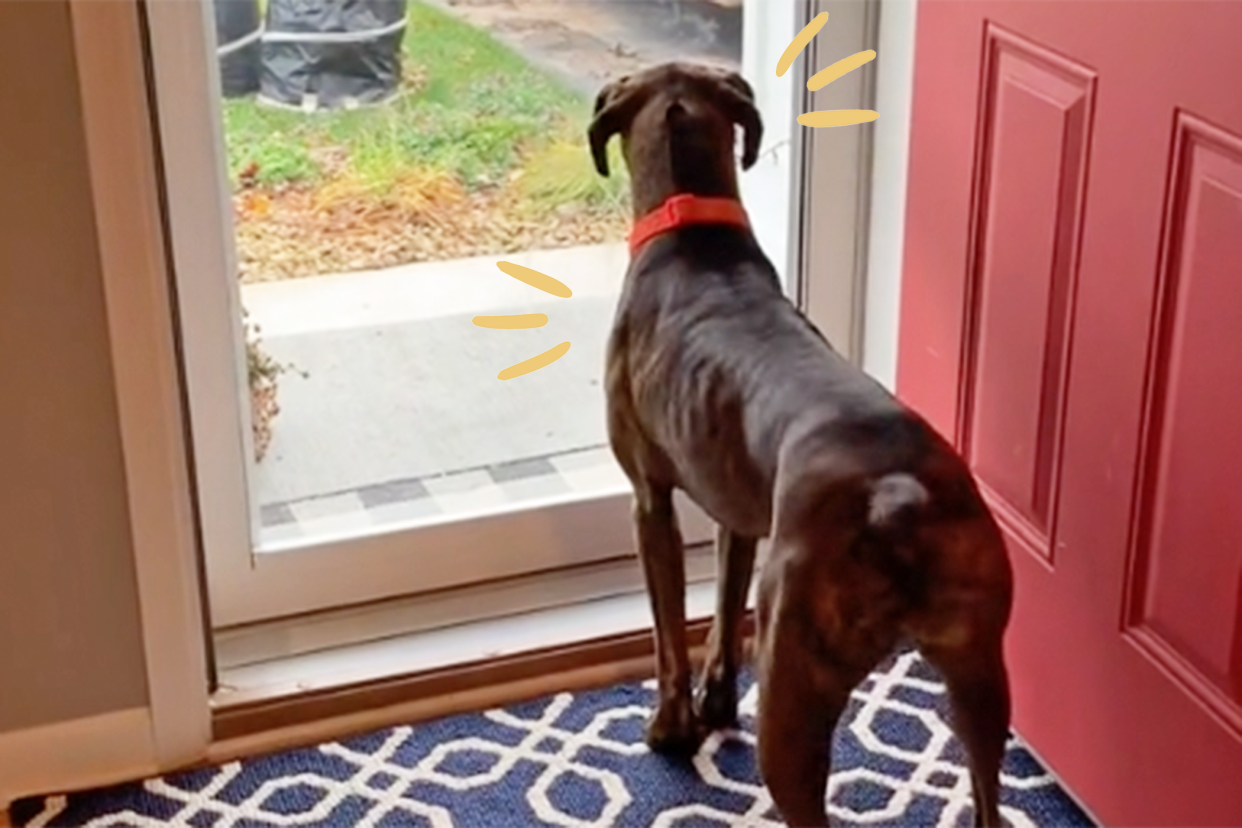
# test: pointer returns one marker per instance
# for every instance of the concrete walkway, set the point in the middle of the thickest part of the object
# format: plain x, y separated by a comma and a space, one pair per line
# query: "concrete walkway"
400, 384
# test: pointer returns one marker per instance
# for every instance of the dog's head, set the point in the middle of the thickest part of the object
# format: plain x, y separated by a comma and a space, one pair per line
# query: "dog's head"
680, 111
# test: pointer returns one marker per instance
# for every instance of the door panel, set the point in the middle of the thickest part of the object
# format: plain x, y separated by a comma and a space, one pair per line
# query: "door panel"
1036, 123
1188, 604
1073, 273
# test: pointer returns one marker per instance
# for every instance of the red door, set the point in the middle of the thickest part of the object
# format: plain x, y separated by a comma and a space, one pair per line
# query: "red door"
1072, 315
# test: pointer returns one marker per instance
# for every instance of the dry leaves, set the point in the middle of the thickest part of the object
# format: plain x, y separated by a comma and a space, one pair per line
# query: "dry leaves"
263, 410
294, 231
263, 373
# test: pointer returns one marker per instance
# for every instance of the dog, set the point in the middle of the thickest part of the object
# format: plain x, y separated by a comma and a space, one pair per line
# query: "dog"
717, 385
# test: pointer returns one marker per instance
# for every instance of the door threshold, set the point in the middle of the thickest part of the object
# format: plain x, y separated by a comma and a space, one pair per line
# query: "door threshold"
326, 695
279, 642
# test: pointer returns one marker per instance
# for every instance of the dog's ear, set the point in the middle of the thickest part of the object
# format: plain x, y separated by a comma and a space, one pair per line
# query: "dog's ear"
737, 99
608, 120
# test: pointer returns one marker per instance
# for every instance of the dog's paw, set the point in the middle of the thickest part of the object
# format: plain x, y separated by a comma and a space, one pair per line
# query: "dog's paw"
715, 704
673, 730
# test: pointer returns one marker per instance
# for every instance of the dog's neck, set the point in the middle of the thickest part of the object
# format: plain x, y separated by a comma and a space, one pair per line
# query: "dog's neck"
689, 177
649, 191
674, 163
687, 209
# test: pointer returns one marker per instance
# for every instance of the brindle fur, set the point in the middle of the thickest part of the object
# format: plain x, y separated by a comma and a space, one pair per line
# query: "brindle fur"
719, 386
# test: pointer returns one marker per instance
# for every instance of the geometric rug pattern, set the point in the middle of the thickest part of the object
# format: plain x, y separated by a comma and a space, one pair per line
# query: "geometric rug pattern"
578, 760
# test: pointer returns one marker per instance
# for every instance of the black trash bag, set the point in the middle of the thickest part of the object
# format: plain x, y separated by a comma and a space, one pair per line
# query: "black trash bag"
239, 27
328, 54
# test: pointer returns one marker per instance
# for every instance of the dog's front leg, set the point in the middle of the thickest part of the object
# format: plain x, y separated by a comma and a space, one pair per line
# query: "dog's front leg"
672, 729
735, 563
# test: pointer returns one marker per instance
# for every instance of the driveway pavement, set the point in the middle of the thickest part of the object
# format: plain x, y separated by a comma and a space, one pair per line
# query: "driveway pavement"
589, 42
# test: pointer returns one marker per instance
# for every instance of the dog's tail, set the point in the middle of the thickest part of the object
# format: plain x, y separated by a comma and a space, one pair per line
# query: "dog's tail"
897, 501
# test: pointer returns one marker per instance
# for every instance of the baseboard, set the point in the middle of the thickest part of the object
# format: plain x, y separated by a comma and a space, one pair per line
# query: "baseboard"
76, 755
118, 747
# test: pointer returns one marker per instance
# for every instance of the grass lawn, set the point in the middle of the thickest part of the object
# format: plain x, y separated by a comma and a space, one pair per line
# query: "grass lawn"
481, 152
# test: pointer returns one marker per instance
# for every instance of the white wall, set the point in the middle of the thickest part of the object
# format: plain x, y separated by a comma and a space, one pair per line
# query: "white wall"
70, 631
74, 696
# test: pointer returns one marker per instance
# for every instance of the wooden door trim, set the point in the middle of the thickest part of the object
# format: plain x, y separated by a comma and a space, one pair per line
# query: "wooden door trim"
288, 722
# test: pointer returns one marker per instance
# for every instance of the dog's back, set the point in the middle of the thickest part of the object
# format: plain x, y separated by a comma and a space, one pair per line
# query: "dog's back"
730, 381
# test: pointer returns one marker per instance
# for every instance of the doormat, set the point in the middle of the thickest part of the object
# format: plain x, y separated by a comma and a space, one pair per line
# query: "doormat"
578, 760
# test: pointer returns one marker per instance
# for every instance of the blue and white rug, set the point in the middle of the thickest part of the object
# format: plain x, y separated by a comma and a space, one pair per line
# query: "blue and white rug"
578, 760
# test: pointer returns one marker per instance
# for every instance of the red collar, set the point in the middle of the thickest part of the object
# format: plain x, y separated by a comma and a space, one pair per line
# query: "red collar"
680, 210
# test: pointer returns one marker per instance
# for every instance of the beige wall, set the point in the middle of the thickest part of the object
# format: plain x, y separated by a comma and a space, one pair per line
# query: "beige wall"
70, 638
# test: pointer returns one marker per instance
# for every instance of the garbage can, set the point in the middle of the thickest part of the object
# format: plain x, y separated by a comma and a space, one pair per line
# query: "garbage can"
239, 29
332, 54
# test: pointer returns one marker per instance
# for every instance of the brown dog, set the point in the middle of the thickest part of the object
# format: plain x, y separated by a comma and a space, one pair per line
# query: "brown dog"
719, 386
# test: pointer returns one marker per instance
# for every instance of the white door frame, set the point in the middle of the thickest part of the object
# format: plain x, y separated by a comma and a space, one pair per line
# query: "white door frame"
853, 223
894, 95
137, 293
248, 587
141, 307
835, 162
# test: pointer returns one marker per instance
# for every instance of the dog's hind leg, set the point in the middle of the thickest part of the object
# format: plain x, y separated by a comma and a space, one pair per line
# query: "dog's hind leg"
716, 704
795, 726
672, 728
979, 694
799, 705
801, 697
